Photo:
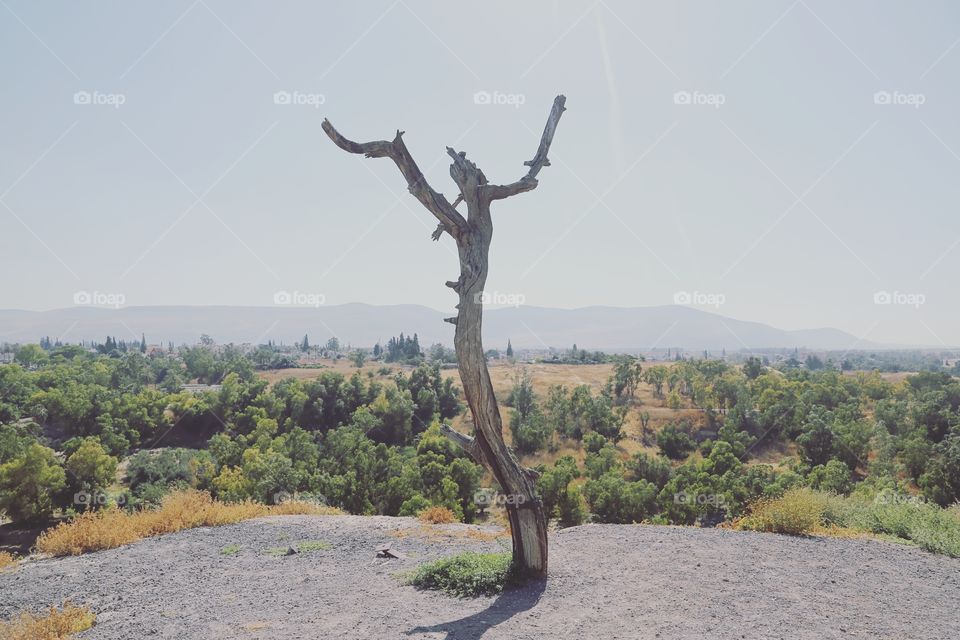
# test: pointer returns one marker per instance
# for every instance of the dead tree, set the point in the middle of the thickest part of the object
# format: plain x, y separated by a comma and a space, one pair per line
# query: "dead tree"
473, 235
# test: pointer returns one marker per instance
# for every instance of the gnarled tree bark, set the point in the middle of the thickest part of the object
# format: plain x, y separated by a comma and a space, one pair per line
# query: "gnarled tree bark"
473, 235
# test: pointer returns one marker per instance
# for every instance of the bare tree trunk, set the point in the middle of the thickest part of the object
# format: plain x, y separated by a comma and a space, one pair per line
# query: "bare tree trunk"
528, 523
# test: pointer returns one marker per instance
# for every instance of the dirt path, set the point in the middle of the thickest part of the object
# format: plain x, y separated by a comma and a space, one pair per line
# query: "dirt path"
607, 581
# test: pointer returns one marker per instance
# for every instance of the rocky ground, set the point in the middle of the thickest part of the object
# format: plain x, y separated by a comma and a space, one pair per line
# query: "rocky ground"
606, 581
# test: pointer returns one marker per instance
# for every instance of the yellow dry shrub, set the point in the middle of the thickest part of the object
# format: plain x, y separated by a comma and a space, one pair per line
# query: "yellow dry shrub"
437, 515
109, 528
52, 625
797, 512
6, 560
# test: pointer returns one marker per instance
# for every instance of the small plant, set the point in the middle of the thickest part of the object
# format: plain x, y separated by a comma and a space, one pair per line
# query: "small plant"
437, 515
6, 560
312, 545
466, 575
52, 625
797, 512
230, 550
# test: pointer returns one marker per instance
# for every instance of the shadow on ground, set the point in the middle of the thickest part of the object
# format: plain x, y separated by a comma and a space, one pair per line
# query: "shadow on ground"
507, 605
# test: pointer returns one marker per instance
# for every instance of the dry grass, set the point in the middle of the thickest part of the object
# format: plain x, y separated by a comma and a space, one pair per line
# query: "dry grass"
437, 515
54, 624
110, 528
6, 560
797, 512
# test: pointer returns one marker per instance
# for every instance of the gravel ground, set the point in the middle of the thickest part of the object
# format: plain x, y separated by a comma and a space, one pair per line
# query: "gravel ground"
607, 581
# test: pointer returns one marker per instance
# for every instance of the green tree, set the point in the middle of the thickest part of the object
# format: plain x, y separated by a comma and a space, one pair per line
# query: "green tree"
656, 470
612, 499
90, 470
561, 498
358, 357
656, 376
30, 356
816, 440
626, 374
834, 476
674, 443
752, 368
29, 485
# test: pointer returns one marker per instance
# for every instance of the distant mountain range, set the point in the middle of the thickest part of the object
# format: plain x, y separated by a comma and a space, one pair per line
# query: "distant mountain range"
596, 328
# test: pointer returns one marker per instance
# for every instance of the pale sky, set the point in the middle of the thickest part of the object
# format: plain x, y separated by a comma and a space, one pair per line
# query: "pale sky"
785, 188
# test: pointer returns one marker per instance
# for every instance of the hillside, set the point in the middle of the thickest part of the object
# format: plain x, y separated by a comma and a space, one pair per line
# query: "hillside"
595, 328
607, 581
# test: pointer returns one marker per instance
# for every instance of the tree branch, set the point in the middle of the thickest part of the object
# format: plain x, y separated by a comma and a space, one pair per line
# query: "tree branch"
435, 202
470, 445
529, 181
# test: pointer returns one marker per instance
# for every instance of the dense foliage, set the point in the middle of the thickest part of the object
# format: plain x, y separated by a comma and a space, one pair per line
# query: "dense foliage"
352, 442
853, 434
371, 445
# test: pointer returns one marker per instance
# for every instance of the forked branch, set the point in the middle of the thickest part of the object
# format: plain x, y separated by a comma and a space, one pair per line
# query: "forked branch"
529, 181
435, 202
469, 445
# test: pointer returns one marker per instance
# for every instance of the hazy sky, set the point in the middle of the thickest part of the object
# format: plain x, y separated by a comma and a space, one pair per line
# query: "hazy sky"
779, 183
